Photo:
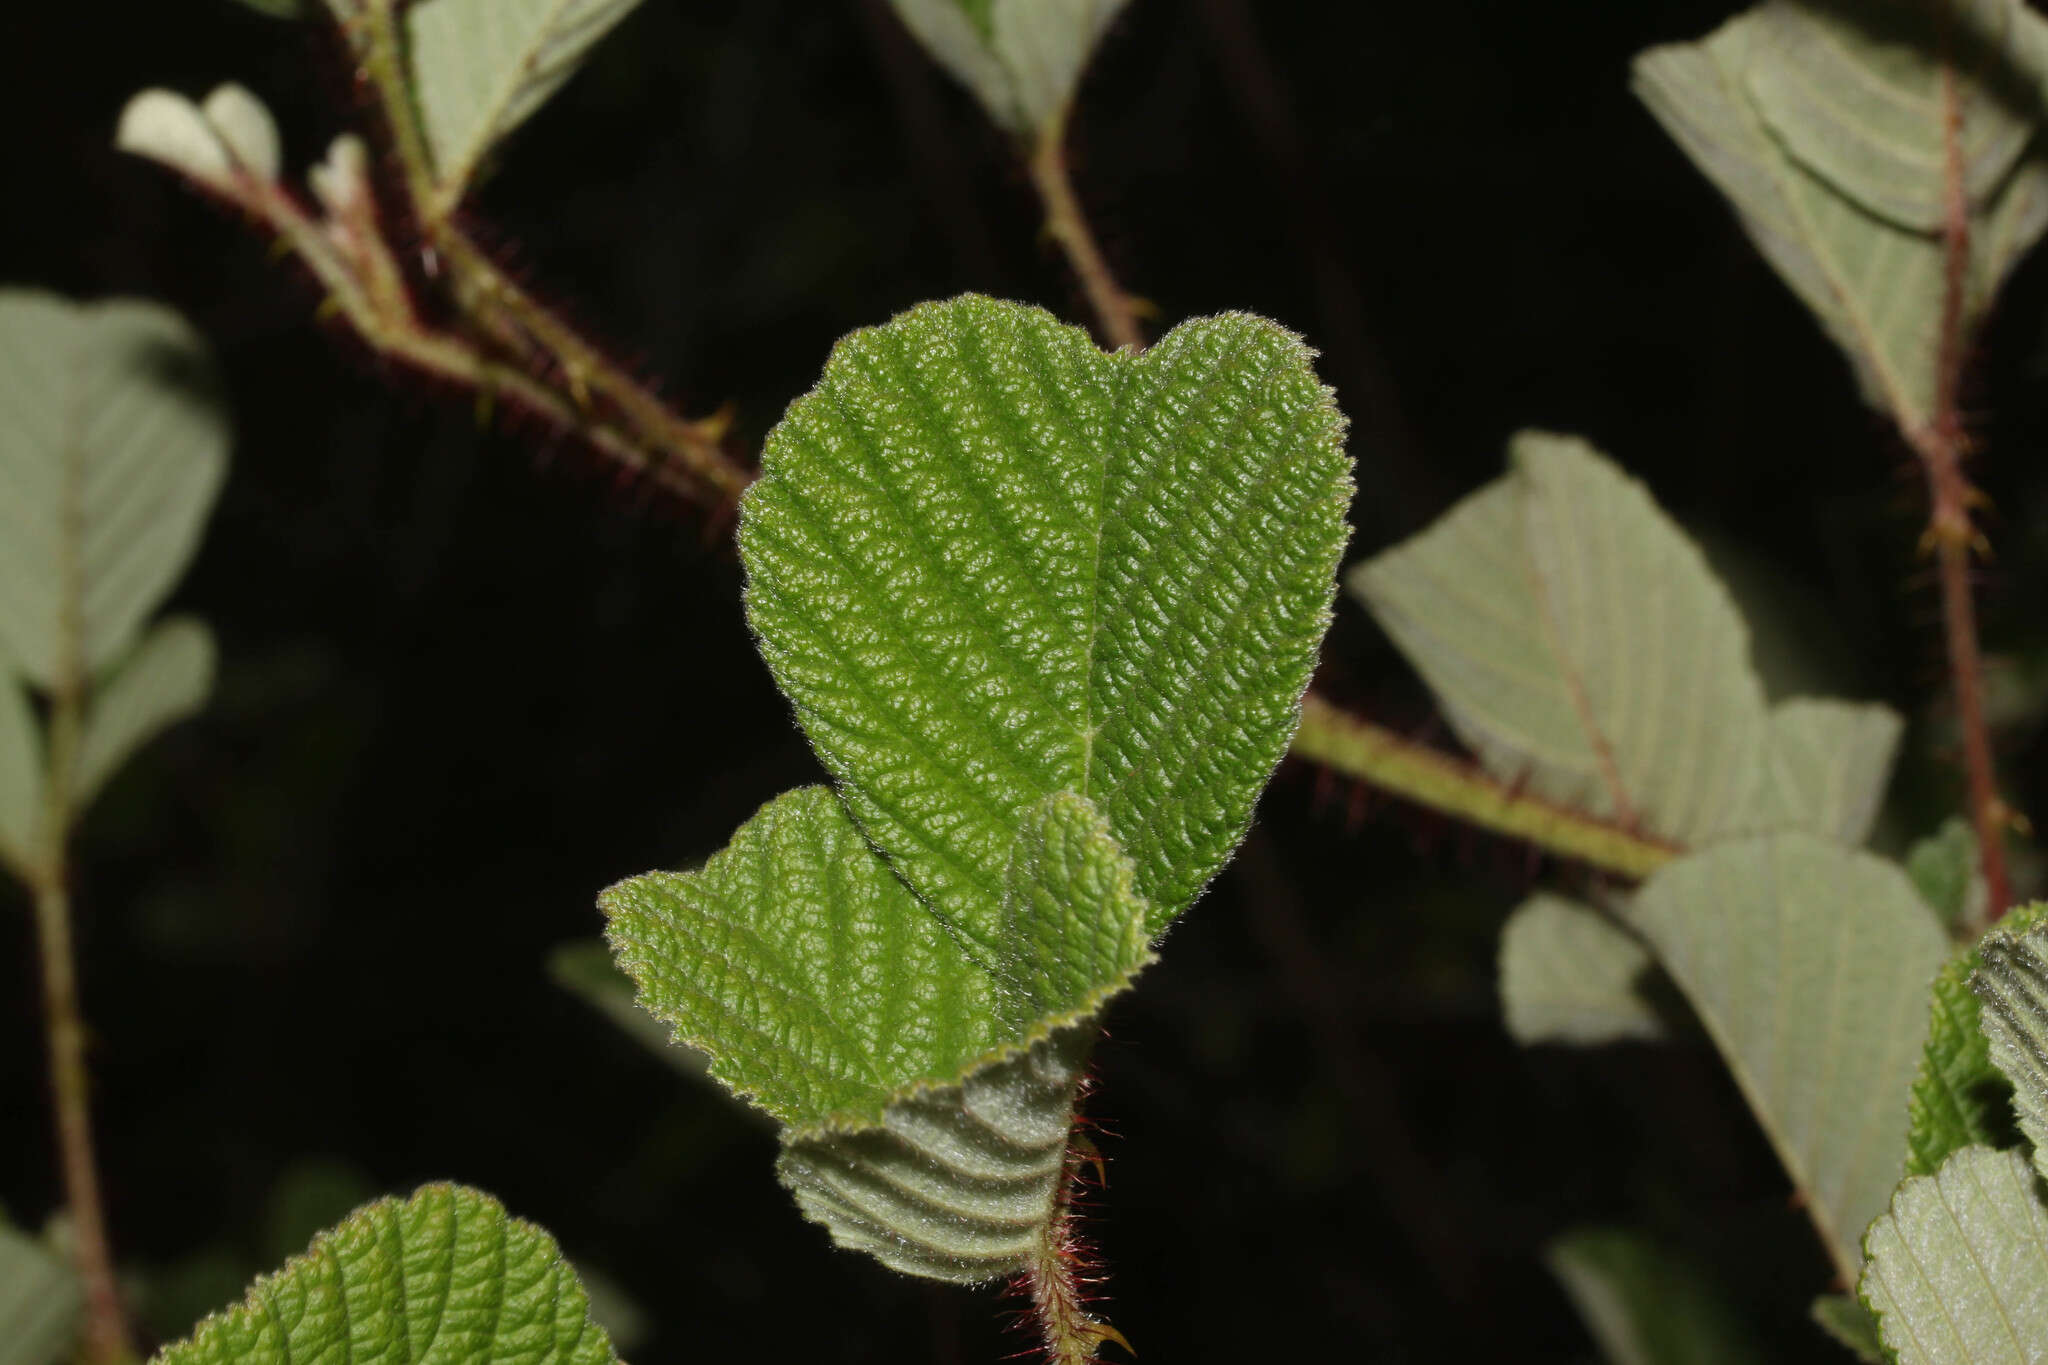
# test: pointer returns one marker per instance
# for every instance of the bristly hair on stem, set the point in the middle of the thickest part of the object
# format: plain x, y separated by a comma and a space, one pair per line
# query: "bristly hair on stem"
1941, 445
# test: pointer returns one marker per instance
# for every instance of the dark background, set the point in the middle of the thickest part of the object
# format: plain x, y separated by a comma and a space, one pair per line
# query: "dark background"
468, 680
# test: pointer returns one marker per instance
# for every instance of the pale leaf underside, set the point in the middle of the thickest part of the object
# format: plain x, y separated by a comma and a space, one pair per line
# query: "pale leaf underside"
1958, 1270
1022, 59
40, 1302
1568, 974
443, 1277
1580, 645
1643, 1305
1830, 763
165, 681
112, 447
990, 563
480, 68
957, 1182
1826, 138
21, 776
1808, 964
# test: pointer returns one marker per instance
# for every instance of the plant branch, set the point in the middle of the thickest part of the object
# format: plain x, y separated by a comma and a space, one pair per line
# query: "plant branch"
106, 1327
1068, 226
1359, 749
1057, 1275
1941, 445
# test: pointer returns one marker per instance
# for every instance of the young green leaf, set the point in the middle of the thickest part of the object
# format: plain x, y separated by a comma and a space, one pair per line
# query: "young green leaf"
165, 681
1580, 645
40, 1302
823, 989
1945, 868
1959, 1099
1958, 1268
1643, 1305
1853, 1327
21, 776
1823, 124
112, 447
1808, 964
1022, 58
1569, 974
990, 563
1830, 761
2012, 984
446, 1275
480, 68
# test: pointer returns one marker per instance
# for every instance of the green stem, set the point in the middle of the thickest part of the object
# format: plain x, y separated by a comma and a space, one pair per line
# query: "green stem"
1368, 753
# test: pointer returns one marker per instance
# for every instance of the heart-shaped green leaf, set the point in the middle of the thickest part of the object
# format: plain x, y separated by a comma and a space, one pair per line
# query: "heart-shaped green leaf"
990, 563
824, 990
444, 1276
112, 447
1569, 974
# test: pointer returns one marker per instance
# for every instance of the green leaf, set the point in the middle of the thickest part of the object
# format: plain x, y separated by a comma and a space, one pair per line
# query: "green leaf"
1959, 1099
990, 563
165, 681
1944, 867
1580, 645
2012, 984
21, 776
1958, 1270
822, 988
1643, 1305
1023, 59
1822, 125
1830, 761
40, 1302
958, 1182
1569, 974
480, 68
445, 1276
1854, 1327
112, 447
1808, 964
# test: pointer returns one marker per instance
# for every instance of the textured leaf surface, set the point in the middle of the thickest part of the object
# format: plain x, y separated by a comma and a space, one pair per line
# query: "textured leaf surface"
164, 682
2012, 983
1824, 133
1830, 761
957, 1182
1580, 644
443, 1278
1944, 867
1568, 974
1808, 963
1959, 1098
586, 970
1022, 58
112, 447
990, 563
1643, 1305
1958, 1271
21, 775
481, 68
822, 988
40, 1302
